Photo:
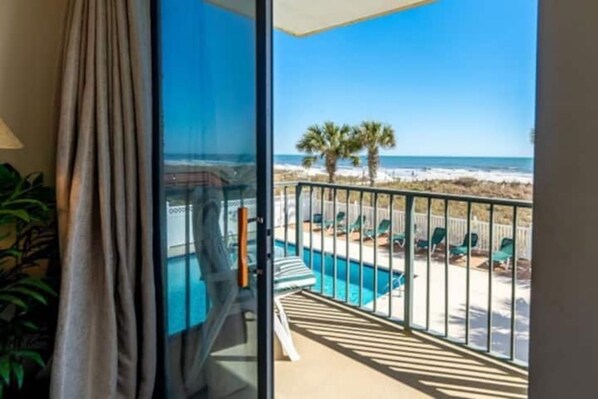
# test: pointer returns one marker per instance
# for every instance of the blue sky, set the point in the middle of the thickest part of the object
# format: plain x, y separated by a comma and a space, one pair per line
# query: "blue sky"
208, 80
454, 78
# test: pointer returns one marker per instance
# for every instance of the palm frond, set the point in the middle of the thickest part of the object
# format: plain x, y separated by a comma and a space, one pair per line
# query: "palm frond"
330, 142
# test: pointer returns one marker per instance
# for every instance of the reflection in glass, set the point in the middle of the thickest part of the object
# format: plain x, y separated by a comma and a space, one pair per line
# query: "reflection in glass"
208, 125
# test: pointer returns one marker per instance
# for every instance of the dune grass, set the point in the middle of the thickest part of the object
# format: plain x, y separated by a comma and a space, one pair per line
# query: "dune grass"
464, 186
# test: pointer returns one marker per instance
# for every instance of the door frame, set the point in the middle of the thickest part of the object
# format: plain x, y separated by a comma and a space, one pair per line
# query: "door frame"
265, 213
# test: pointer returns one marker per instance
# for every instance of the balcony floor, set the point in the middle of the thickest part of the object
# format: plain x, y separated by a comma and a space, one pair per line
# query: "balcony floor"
346, 353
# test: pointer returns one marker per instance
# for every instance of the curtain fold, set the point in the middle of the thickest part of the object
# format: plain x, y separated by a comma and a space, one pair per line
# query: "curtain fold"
106, 338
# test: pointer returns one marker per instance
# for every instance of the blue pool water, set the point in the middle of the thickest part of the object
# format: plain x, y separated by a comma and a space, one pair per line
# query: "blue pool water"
328, 279
180, 317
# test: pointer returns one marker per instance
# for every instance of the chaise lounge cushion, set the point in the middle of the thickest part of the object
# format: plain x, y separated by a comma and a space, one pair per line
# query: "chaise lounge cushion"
291, 274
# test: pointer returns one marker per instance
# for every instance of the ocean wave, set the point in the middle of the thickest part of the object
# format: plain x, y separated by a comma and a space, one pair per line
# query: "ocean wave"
203, 162
498, 175
505, 175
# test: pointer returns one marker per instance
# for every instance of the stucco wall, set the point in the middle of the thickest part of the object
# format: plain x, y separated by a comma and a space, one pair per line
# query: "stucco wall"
564, 329
31, 33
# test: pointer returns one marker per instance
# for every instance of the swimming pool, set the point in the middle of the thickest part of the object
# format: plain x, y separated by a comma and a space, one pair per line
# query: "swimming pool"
341, 277
180, 317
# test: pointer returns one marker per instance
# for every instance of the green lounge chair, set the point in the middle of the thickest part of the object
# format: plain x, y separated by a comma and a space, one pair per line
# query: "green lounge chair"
355, 226
399, 239
437, 237
317, 218
462, 249
505, 253
383, 228
340, 219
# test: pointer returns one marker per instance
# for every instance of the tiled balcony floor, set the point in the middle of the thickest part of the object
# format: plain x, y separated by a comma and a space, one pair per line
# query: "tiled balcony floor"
346, 353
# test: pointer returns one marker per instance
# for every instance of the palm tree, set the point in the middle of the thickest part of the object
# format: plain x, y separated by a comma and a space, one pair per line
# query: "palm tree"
372, 136
331, 143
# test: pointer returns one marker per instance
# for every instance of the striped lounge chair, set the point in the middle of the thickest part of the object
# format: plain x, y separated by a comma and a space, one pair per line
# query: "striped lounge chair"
291, 275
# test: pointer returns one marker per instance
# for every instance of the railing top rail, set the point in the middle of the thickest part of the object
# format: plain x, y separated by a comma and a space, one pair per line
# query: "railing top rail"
420, 194
286, 183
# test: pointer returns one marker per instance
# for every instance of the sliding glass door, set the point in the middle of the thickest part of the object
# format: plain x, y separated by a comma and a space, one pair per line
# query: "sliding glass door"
213, 73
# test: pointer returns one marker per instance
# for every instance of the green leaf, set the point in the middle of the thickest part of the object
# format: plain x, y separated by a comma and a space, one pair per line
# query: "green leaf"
36, 357
5, 369
27, 201
10, 252
13, 300
29, 292
17, 369
17, 213
39, 284
28, 324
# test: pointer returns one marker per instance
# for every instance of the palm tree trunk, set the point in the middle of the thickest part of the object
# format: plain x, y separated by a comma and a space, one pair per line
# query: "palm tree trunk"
373, 163
331, 169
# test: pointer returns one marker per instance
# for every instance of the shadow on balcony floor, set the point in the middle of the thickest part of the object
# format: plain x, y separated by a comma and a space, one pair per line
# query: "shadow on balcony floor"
349, 354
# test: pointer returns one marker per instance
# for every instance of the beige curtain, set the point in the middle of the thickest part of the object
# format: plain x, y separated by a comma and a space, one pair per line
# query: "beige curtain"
106, 339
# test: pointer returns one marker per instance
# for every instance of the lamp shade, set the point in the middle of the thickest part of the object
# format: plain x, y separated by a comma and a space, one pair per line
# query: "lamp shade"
8, 140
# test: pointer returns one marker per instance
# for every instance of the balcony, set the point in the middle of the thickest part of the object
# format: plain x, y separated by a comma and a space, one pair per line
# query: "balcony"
411, 320
350, 354
426, 321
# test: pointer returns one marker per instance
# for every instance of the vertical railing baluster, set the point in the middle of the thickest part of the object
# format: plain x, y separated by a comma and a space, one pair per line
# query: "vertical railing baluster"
225, 197
311, 227
286, 222
360, 249
513, 285
390, 256
409, 258
428, 263
299, 221
188, 256
375, 251
468, 274
322, 253
347, 257
446, 268
334, 255
490, 272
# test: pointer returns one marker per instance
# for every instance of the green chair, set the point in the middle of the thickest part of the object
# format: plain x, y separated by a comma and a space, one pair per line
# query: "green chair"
340, 219
463, 249
437, 237
399, 239
505, 253
355, 226
317, 218
383, 228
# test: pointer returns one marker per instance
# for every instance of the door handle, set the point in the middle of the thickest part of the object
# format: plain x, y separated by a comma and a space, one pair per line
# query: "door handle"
242, 258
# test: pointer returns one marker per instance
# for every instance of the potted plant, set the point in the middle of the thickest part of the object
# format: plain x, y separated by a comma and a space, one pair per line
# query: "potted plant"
28, 247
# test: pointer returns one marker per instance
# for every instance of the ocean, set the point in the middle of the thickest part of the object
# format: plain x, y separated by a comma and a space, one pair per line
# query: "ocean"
497, 169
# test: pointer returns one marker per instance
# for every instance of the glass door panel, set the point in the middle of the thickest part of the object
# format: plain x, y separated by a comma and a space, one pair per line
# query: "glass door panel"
208, 106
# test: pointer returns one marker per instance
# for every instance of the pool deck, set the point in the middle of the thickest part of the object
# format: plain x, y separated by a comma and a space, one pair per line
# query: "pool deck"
346, 353
479, 281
